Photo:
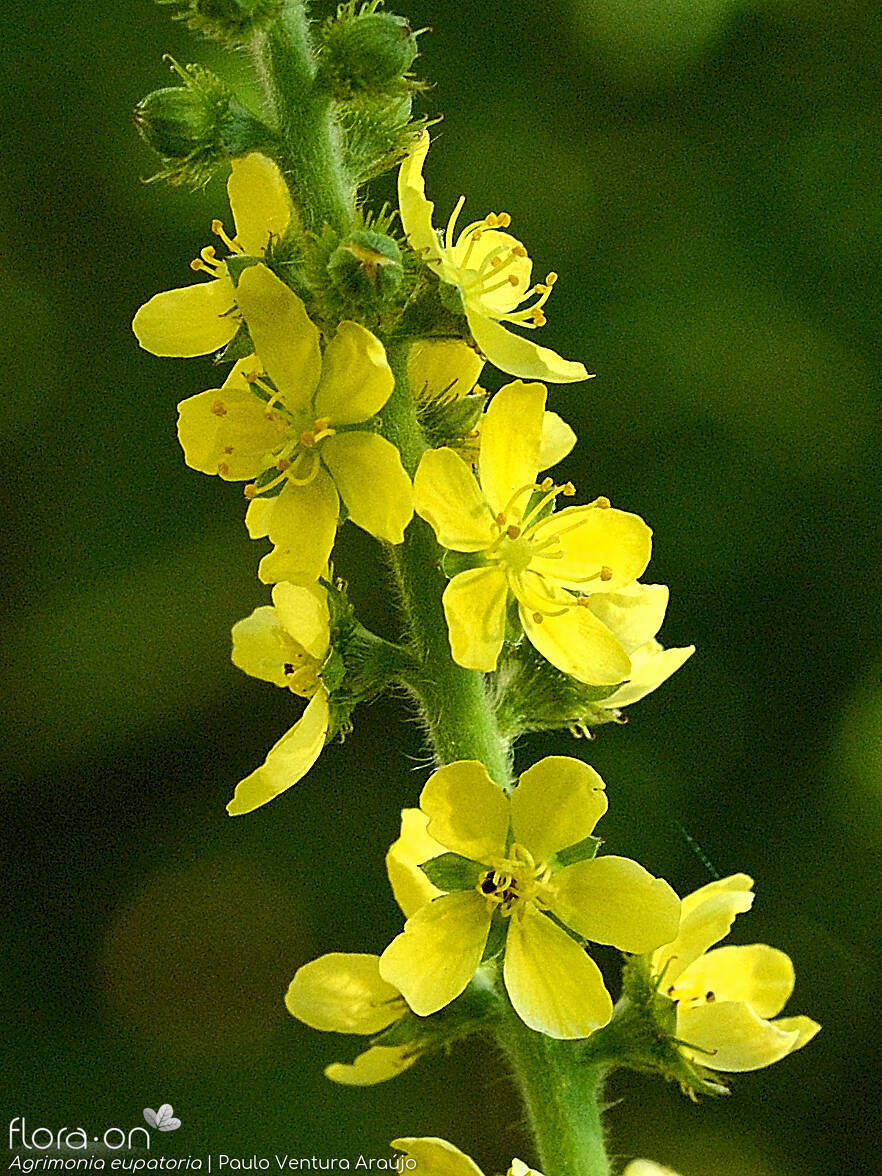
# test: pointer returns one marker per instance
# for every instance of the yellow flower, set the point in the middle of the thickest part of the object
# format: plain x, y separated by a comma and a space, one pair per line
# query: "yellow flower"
514, 854
196, 320
647, 1168
552, 564
634, 615
286, 644
343, 992
437, 1157
724, 997
296, 432
442, 370
492, 272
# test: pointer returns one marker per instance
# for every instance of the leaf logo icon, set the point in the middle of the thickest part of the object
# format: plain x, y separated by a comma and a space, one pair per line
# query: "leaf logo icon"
163, 1119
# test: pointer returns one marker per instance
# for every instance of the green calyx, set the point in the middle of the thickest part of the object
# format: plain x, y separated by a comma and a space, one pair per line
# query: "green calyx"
366, 50
234, 21
366, 268
530, 694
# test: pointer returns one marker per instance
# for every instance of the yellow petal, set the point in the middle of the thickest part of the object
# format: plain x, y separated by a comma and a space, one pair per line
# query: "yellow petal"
557, 803
447, 496
574, 641
356, 379
554, 986
442, 369
378, 1064
437, 1157
706, 917
303, 611
519, 1168
614, 900
260, 201
758, 975
410, 886
228, 431
468, 814
596, 550
650, 667
288, 761
558, 440
372, 482
436, 955
193, 320
416, 211
519, 356
472, 254
258, 646
647, 1168
474, 607
511, 437
634, 614
732, 1038
804, 1026
257, 517
303, 527
284, 337
343, 992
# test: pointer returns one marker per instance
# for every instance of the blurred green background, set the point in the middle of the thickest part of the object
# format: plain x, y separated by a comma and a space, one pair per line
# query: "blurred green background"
705, 176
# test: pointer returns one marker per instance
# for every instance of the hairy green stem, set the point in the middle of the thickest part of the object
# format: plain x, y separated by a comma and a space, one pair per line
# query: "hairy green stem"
310, 154
562, 1092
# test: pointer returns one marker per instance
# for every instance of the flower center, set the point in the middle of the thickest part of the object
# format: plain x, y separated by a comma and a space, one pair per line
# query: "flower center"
208, 262
301, 669
514, 881
297, 461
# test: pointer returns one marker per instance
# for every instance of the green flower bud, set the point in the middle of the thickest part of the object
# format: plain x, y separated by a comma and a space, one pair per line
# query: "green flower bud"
370, 51
177, 121
226, 20
366, 265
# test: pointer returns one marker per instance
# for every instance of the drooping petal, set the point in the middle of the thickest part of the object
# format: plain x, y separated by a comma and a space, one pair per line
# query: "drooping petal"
804, 1026
732, 1038
592, 548
474, 607
442, 369
343, 992
193, 320
302, 526
554, 986
634, 614
416, 211
229, 431
468, 814
260, 201
410, 886
257, 517
303, 611
356, 379
284, 336
556, 803
650, 667
258, 646
436, 955
437, 1157
377, 1064
522, 357
574, 641
558, 440
494, 270
758, 975
288, 761
511, 437
447, 496
614, 900
706, 917
372, 482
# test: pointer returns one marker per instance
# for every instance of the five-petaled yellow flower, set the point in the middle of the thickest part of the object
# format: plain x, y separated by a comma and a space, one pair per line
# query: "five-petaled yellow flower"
296, 433
724, 997
437, 1157
287, 644
552, 564
198, 319
514, 843
491, 270
343, 992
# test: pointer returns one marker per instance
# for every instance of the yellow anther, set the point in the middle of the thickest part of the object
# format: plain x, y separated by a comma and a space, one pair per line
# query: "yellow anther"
222, 467
606, 573
545, 485
250, 377
228, 449
500, 520
513, 532
584, 601
503, 220
217, 227
219, 408
307, 439
496, 262
568, 489
551, 278
321, 424
197, 264
513, 280
283, 464
603, 503
539, 318
519, 251
537, 617
250, 491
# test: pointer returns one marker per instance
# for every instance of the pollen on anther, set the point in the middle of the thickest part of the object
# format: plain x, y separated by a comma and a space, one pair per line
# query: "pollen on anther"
500, 520
546, 484
223, 468
513, 532
519, 251
710, 997
283, 464
537, 617
551, 278
606, 573
568, 489
307, 439
250, 491
228, 449
514, 280
219, 408
217, 226
603, 503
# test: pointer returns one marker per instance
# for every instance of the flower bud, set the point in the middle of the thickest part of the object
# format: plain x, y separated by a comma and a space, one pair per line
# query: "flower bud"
226, 20
176, 121
366, 265
371, 51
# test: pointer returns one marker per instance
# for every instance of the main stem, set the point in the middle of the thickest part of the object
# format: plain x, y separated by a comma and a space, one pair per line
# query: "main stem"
560, 1089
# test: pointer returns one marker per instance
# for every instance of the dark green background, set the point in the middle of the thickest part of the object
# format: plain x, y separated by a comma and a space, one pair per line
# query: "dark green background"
704, 174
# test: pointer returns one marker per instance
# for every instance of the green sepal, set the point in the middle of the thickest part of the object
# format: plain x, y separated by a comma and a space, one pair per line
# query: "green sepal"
451, 298
233, 21
582, 851
450, 871
447, 422
495, 944
366, 270
454, 562
237, 263
333, 671
239, 347
365, 50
